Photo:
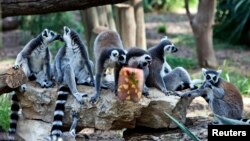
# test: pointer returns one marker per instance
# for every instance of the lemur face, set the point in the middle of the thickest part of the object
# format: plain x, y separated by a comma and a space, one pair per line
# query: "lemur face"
122, 56
66, 35
118, 55
49, 36
169, 47
211, 75
114, 55
140, 61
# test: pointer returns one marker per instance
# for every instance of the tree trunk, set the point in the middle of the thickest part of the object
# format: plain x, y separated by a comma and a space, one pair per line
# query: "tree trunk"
32, 7
140, 24
111, 20
102, 15
127, 25
202, 26
90, 21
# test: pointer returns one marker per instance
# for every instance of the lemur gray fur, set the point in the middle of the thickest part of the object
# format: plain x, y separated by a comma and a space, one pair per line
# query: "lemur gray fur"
224, 98
139, 58
158, 64
72, 65
34, 58
109, 53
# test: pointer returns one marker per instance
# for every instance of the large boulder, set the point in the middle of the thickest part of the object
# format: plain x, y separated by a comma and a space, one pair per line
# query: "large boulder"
108, 113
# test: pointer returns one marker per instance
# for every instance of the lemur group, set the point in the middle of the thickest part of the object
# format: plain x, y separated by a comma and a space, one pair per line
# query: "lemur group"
72, 66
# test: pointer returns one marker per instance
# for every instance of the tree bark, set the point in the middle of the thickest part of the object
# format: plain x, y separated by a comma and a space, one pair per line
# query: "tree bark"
140, 24
89, 20
127, 25
202, 26
111, 20
32, 7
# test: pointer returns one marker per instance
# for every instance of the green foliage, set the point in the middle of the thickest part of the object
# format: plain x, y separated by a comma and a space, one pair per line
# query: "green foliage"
240, 81
183, 128
162, 29
4, 110
187, 63
54, 21
233, 19
166, 5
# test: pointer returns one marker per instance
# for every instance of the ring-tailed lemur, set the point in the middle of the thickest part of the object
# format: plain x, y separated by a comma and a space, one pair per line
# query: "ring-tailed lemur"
161, 72
109, 53
139, 58
224, 98
72, 65
158, 65
34, 58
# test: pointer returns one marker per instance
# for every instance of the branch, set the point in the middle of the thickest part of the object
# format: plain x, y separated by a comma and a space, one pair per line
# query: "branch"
32, 7
190, 16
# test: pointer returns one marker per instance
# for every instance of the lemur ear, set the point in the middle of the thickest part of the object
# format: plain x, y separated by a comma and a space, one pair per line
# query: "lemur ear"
66, 29
164, 38
203, 71
219, 71
45, 32
125, 51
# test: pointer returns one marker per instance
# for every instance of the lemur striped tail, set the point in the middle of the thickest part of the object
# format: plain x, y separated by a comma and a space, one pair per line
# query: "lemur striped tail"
63, 93
13, 116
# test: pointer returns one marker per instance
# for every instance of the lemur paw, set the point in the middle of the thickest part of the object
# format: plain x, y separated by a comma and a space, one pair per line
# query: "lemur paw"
32, 77
72, 132
79, 97
46, 84
168, 93
15, 67
146, 93
94, 98
23, 88
74, 114
92, 83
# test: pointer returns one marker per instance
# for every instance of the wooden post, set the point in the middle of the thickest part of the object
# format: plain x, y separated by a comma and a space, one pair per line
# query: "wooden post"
111, 21
140, 24
127, 25
90, 21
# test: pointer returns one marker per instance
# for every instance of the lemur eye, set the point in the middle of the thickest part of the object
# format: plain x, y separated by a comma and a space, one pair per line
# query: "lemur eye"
148, 58
52, 34
114, 54
214, 78
208, 77
66, 30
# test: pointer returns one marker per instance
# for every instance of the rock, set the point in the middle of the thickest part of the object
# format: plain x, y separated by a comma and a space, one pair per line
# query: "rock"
33, 130
108, 113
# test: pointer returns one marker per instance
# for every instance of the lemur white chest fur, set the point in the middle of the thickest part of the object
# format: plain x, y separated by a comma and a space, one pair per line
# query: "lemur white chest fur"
37, 58
165, 69
73, 57
109, 64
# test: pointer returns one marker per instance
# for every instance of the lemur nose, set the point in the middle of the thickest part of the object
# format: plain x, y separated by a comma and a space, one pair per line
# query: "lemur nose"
144, 64
121, 58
